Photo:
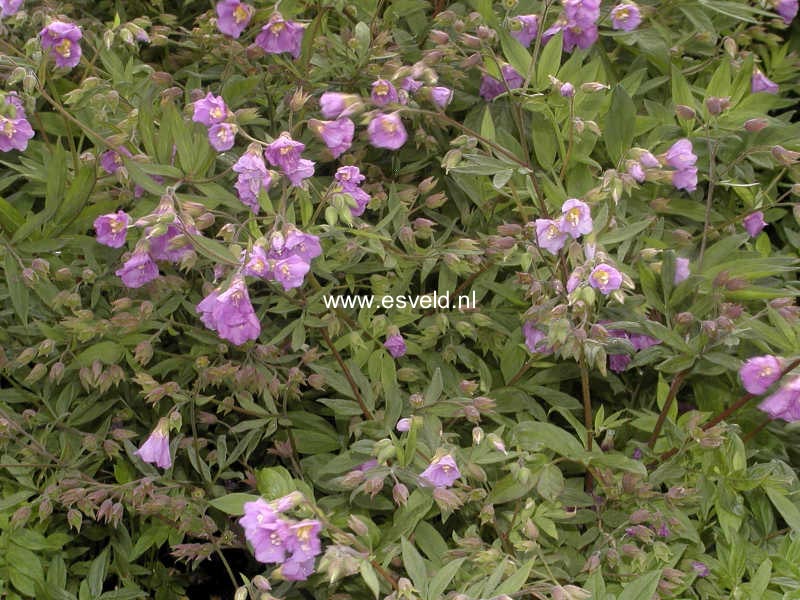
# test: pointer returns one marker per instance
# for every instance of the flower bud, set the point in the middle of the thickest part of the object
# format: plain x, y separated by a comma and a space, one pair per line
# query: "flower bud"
357, 526
400, 494
784, 156
438, 36
755, 125
684, 112
56, 372
717, 105
594, 86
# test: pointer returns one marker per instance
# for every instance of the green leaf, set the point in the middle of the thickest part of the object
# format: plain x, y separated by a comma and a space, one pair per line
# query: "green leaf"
532, 433
443, 578
643, 586
620, 124
517, 581
549, 61
16, 289
515, 53
97, 574
370, 577
233, 504
787, 508
274, 482
415, 566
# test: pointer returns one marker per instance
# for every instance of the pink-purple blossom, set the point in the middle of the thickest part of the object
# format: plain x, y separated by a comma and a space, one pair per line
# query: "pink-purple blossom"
411, 85
62, 39
785, 403
576, 219
138, 270
9, 7
760, 372
685, 179
14, 132
336, 135
349, 178
172, 245
524, 28
230, 313
279, 36
396, 345
491, 88
681, 155
387, 131
682, 271
701, 569
754, 223
761, 83
787, 9
383, 92
441, 96
252, 179
288, 259
648, 160
284, 152
222, 136
335, 104
567, 90
155, 449
403, 425
605, 278
111, 229
636, 171
111, 160
300, 171
626, 16
549, 235
442, 472
210, 110
535, 338
233, 17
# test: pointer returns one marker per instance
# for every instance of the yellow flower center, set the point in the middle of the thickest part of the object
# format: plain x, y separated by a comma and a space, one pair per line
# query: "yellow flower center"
446, 468
303, 533
574, 215
285, 150
64, 48
622, 13
552, 232
258, 265
277, 27
381, 89
216, 112
286, 270
116, 225
8, 128
766, 372
389, 126
601, 276
239, 14
224, 135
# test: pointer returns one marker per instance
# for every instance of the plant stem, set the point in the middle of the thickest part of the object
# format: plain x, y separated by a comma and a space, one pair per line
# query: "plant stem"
673, 391
367, 413
588, 419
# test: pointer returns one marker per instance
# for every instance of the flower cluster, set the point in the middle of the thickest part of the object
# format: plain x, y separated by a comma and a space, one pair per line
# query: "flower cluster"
286, 261
442, 471
15, 130
253, 177
576, 220
230, 313
62, 40
284, 153
348, 182
336, 135
277, 539
524, 28
579, 24
212, 112
681, 157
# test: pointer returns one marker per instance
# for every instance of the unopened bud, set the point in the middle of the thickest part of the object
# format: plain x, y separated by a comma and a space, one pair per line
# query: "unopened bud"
594, 86
438, 36
784, 156
717, 105
400, 494
684, 112
357, 526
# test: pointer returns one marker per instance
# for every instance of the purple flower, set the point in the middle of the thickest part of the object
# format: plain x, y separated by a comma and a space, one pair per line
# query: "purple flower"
267, 532
138, 270
759, 373
491, 87
761, 83
111, 229
62, 41
230, 313
222, 136
403, 425
685, 179
524, 28
210, 110
290, 271
574, 280
535, 338
636, 171
302, 170
641, 342
579, 35
396, 345
441, 96
700, 568
258, 264
155, 450
304, 543
549, 236
625, 16
411, 85
637, 454
284, 152
663, 530
681, 270
279, 36
253, 177
337, 135
583, 13
387, 131
383, 92
648, 160
334, 104
605, 278
304, 245
442, 472
576, 218
171, 246
754, 223
787, 9
785, 403
14, 132
680, 155
111, 160
567, 90
618, 362
233, 17
349, 177
9, 7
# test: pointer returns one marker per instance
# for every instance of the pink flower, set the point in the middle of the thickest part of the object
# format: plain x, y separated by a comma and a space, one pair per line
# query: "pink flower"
581, 36
567, 90
111, 160
761, 83
290, 271
253, 177
681, 270
576, 218
785, 403
62, 41
685, 179
442, 472
383, 92
210, 110
387, 131
636, 171
222, 136
302, 170
787, 9
680, 155
625, 16
14, 133
138, 270
396, 345
754, 223
336, 135
535, 339
171, 246
111, 229
230, 313
605, 278
258, 264
334, 104
233, 17
279, 36
648, 160
266, 531
441, 96
9, 7
491, 87
760, 372
403, 425
284, 152
524, 28
549, 236
155, 450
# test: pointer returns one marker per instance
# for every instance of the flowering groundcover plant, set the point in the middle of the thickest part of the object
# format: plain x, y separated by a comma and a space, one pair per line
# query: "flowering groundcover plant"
183, 185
